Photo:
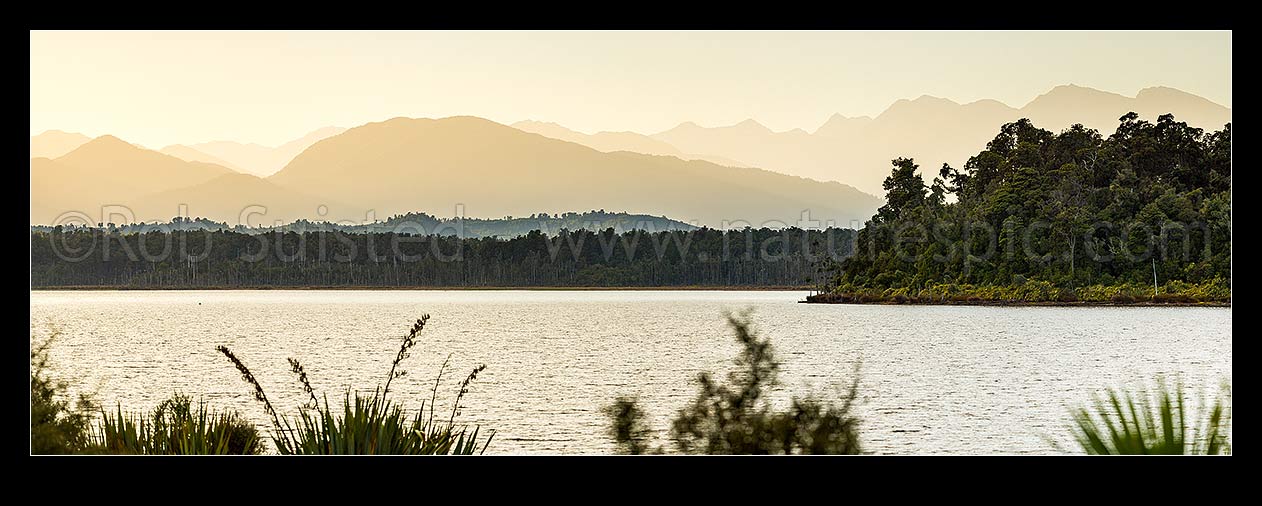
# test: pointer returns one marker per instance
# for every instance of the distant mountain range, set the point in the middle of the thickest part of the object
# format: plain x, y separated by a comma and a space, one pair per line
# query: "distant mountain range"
619, 141
435, 166
54, 143
712, 176
248, 158
254, 159
404, 165
108, 171
932, 130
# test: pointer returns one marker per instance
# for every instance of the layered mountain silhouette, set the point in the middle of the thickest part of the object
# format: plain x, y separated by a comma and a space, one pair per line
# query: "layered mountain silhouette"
459, 165
108, 171
437, 165
492, 169
618, 141
54, 143
932, 130
192, 155
250, 158
250, 200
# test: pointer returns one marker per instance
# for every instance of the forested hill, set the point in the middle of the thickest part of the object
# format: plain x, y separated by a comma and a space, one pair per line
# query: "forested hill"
1069, 216
424, 224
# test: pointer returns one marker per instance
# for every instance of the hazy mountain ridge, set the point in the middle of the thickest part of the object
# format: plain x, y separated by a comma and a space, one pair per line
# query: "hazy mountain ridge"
609, 142
192, 155
426, 165
108, 171
435, 165
932, 130
251, 158
247, 199
54, 143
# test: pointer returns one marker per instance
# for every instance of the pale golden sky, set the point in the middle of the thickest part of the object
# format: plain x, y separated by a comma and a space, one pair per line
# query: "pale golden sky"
159, 88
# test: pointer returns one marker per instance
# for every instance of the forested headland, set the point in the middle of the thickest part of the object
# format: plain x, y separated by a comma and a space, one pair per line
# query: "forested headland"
749, 258
1143, 214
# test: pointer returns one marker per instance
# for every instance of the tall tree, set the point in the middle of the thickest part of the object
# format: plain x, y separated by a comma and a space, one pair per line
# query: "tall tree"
904, 190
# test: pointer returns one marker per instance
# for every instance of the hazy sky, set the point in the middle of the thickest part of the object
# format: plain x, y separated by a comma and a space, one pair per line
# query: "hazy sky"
159, 88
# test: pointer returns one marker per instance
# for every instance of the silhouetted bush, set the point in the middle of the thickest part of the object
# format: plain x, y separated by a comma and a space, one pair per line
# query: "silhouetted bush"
629, 429
737, 418
56, 427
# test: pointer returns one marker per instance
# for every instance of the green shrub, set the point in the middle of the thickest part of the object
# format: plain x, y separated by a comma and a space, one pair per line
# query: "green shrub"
628, 429
736, 418
56, 427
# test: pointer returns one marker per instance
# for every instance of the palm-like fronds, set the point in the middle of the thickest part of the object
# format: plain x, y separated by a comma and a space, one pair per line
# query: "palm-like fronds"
1126, 423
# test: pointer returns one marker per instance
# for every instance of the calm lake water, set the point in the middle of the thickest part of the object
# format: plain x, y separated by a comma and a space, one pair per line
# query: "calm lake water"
934, 379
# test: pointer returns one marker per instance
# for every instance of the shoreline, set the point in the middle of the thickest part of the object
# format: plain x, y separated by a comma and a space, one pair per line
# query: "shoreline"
833, 298
436, 288
812, 299
1001, 303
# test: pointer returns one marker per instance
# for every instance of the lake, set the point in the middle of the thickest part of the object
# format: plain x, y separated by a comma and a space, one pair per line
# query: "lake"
933, 379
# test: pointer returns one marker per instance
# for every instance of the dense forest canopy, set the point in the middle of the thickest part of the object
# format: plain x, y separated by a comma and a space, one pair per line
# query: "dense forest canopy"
226, 258
1067, 210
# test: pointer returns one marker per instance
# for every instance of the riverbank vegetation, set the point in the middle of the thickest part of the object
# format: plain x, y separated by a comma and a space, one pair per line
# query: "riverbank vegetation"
1057, 217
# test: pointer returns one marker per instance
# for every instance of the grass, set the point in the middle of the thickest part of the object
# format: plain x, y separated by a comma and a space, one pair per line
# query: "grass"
175, 427
369, 424
1139, 423
373, 425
